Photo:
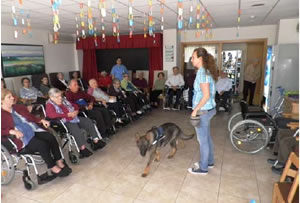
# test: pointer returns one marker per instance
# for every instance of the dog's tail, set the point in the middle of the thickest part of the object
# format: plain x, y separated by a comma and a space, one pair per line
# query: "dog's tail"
186, 137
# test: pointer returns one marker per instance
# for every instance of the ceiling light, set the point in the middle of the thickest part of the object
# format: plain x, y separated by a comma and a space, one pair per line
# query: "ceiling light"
257, 5
252, 17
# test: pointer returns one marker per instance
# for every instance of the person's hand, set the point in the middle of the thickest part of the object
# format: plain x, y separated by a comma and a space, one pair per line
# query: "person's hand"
76, 113
29, 108
72, 114
174, 88
45, 123
221, 93
104, 103
18, 134
194, 113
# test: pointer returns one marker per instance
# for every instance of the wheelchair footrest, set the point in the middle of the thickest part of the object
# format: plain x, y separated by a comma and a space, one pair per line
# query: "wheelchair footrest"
45, 178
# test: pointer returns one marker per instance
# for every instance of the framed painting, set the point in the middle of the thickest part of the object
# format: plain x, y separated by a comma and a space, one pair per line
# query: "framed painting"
18, 60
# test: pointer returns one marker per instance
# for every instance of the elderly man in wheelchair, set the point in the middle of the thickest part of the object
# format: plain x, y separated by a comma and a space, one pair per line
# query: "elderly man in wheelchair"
174, 86
224, 92
23, 135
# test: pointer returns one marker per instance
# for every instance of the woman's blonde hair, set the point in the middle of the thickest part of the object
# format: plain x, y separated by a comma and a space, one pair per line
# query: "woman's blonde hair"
4, 93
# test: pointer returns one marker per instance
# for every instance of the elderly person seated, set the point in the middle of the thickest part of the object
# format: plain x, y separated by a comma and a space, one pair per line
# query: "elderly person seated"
131, 100
86, 102
108, 101
45, 86
31, 94
131, 89
104, 81
61, 83
158, 88
140, 82
174, 82
82, 84
59, 108
223, 87
18, 122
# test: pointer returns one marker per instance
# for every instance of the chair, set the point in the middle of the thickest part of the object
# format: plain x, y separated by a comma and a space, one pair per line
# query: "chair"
36, 80
288, 191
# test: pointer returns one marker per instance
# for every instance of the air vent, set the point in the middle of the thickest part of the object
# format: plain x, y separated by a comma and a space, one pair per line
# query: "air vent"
257, 5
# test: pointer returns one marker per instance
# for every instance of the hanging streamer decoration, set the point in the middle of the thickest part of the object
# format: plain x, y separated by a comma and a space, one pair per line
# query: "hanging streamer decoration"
238, 20
191, 13
162, 11
150, 18
29, 31
77, 29
22, 15
90, 19
95, 31
15, 21
180, 14
102, 7
114, 18
198, 21
82, 24
56, 25
118, 29
130, 18
145, 26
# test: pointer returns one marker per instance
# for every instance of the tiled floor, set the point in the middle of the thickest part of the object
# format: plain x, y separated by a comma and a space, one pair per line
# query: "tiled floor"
113, 174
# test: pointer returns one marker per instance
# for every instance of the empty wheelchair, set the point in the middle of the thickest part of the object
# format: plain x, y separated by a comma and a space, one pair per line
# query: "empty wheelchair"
181, 103
254, 132
10, 163
275, 112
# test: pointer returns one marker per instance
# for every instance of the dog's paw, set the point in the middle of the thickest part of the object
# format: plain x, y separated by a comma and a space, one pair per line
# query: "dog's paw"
144, 175
170, 156
157, 160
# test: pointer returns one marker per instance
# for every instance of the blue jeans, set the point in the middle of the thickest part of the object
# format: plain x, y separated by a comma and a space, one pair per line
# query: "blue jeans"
205, 141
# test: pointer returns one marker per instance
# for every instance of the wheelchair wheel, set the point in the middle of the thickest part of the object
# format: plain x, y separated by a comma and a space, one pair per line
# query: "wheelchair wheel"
73, 158
7, 167
249, 136
233, 120
28, 183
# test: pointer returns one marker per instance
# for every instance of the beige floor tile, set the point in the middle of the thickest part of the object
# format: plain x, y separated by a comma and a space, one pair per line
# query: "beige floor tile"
127, 185
196, 195
9, 198
265, 190
239, 170
239, 187
109, 197
210, 182
232, 199
78, 194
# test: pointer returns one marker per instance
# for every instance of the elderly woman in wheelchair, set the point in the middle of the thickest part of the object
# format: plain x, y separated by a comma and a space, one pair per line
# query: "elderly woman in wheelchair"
58, 107
22, 130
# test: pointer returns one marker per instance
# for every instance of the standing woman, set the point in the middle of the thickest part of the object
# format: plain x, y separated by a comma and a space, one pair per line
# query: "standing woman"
204, 107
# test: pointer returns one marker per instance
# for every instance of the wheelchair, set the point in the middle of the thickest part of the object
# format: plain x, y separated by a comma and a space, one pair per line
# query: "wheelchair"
166, 99
227, 104
10, 160
254, 132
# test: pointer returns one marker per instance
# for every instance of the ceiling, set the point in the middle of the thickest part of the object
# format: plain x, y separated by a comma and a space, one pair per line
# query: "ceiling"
223, 13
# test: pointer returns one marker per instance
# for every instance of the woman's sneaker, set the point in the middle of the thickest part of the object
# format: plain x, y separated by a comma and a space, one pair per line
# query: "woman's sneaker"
197, 171
196, 164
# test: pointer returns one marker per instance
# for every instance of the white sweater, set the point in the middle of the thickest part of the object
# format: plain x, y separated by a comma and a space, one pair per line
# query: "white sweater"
175, 80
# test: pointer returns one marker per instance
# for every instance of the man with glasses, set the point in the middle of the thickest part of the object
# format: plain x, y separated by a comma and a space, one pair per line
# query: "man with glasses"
118, 70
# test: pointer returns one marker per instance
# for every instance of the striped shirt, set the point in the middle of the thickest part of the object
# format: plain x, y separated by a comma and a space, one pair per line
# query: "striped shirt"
202, 77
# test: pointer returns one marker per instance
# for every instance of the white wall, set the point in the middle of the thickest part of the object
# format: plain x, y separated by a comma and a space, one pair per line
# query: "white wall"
287, 32
170, 39
58, 58
223, 34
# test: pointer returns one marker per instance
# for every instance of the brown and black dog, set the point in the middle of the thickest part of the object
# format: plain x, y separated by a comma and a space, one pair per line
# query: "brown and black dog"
159, 137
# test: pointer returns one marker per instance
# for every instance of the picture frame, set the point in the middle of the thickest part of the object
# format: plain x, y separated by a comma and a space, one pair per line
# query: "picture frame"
22, 59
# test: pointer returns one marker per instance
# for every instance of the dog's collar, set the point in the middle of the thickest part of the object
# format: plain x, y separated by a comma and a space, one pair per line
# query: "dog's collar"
158, 135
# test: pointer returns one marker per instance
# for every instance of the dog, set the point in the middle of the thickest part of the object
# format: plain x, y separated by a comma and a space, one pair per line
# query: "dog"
159, 137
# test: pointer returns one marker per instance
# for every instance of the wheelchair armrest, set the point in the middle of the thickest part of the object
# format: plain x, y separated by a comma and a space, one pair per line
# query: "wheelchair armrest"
57, 123
256, 115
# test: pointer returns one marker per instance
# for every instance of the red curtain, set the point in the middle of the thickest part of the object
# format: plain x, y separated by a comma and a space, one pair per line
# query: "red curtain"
88, 46
89, 69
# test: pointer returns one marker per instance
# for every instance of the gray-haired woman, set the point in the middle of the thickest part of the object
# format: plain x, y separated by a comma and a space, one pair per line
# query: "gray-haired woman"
59, 107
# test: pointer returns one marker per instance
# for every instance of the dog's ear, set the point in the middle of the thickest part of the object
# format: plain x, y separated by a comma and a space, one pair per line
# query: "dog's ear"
137, 136
148, 136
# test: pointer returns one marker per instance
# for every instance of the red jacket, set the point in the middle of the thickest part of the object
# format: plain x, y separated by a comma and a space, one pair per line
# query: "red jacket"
104, 81
51, 112
7, 122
